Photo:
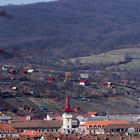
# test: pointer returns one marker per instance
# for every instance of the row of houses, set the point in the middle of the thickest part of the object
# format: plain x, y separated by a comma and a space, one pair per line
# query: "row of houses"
14, 70
38, 128
70, 123
82, 78
111, 127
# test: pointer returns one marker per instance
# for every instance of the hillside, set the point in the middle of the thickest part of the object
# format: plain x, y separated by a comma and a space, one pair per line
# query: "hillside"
5, 55
60, 29
30, 91
128, 58
100, 38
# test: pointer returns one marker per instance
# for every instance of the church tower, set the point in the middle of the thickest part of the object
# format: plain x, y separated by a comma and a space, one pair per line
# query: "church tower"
67, 117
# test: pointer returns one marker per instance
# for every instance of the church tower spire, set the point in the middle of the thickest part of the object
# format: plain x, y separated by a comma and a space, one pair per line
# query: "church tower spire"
67, 108
67, 117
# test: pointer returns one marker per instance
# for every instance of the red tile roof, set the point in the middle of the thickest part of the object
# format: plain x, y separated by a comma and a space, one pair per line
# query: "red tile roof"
31, 134
4, 127
105, 122
82, 81
38, 124
92, 113
18, 118
124, 126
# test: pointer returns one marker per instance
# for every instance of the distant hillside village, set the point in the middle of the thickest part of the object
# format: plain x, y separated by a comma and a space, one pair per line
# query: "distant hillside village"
49, 104
71, 126
45, 86
69, 70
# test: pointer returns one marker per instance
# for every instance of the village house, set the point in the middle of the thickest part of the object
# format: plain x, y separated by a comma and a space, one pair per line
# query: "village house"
97, 126
20, 118
51, 79
92, 114
13, 70
14, 88
29, 134
127, 129
128, 117
4, 69
102, 123
107, 84
68, 76
6, 130
124, 82
30, 70
43, 126
55, 116
84, 75
82, 82
5, 118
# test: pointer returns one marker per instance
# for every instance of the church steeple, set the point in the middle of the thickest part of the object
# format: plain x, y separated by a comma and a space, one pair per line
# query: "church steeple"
67, 117
67, 108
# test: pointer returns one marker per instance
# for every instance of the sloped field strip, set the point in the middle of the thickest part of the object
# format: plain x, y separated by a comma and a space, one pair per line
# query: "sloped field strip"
113, 56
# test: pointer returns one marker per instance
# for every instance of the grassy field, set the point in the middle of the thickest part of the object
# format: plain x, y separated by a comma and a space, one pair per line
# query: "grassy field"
101, 58
52, 105
114, 56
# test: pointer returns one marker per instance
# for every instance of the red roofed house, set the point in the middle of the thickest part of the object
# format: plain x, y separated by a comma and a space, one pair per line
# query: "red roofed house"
44, 126
98, 126
51, 79
125, 82
102, 123
92, 114
13, 71
82, 82
29, 134
128, 129
6, 130
107, 84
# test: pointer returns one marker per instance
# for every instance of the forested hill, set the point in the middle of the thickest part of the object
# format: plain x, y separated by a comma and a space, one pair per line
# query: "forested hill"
69, 28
